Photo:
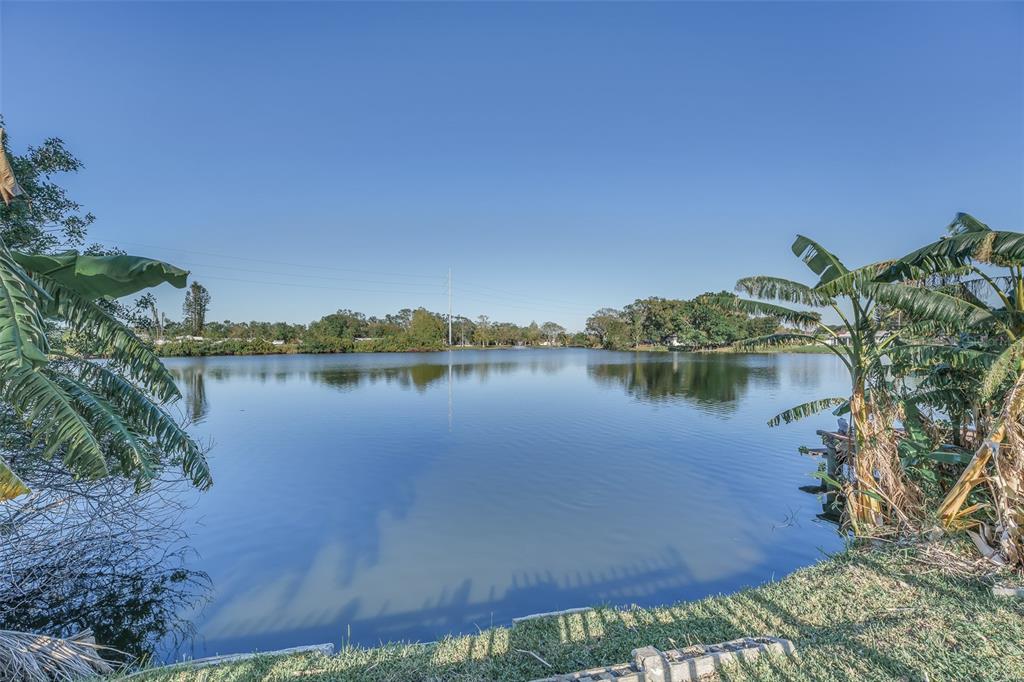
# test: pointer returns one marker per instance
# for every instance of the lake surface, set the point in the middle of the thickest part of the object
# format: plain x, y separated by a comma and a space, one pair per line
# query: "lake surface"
405, 496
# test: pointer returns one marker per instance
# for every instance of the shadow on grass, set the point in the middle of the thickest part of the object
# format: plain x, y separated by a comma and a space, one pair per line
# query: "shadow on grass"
860, 618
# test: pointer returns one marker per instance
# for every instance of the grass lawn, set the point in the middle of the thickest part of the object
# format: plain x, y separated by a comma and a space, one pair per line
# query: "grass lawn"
890, 613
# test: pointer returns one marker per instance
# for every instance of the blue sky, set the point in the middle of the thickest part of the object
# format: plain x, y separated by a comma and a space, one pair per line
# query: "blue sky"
560, 157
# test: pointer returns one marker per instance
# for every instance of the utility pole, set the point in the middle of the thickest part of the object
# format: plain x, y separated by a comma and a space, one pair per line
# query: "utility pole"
449, 307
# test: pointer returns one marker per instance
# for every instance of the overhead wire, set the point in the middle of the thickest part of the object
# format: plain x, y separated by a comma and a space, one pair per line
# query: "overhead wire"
473, 292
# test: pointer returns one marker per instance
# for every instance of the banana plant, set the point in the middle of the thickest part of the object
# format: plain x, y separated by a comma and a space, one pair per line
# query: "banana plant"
873, 316
985, 269
101, 417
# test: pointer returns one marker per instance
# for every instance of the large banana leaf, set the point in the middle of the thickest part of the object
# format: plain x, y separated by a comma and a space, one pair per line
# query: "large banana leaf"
102, 276
969, 240
1005, 367
928, 304
109, 426
807, 409
127, 350
800, 318
149, 418
780, 289
781, 339
930, 354
964, 223
48, 410
23, 341
852, 282
820, 260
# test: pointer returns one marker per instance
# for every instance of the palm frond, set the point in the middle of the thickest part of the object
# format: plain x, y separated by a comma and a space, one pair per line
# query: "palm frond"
779, 289
1005, 367
799, 318
927, 354
150, 419
940, 398
927, 304
959, 250
49, 411
851, 282
30, 657
22, 328
109, 427
965, 223
777, 340
129, 351
807, 409
820, 260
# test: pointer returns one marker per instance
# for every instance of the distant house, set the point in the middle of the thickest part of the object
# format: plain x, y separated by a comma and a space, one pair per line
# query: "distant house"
161, 342
841, 338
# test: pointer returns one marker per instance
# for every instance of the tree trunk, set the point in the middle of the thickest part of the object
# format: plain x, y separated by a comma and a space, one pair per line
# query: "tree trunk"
864, 509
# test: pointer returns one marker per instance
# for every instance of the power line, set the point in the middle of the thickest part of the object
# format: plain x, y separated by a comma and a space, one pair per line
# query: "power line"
295, 274
485, 297
518, 300
314, 286
273, 262
522, 307
484, 289
497, 298
531, 297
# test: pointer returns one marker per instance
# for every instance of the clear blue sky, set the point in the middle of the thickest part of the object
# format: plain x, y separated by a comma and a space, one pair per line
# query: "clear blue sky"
561, 157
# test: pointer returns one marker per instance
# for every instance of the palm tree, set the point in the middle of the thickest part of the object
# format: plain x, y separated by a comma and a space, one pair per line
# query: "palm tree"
100, 417
873, 315
963, 262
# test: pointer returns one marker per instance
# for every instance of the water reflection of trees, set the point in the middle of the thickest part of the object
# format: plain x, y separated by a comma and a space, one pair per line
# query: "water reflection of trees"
419, 376
714, 380
97, 555
346, 372
422, 375
192, 383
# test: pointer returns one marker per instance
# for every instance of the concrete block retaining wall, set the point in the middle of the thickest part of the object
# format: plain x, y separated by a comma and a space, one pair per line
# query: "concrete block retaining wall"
681, 665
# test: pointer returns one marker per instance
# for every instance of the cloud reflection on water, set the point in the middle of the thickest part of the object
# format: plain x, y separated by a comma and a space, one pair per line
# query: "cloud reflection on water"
343, 499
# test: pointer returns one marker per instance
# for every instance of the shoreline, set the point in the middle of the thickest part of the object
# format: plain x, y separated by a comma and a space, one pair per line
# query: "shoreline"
864, 613
796, 350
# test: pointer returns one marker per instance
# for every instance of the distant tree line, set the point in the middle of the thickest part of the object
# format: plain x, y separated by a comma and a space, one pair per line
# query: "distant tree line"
704, 322
347, 331
707, 321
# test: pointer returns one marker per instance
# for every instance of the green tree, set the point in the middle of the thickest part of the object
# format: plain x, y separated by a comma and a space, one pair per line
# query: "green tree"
343, 324
426, 330
482, 335
154, 323
197, 304
609, 327
553, 331
50, 220
533, 334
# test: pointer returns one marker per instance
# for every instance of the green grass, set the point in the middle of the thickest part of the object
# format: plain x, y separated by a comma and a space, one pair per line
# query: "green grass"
883, 614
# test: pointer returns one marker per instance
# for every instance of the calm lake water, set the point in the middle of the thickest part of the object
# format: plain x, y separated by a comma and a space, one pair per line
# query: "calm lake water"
405, 496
